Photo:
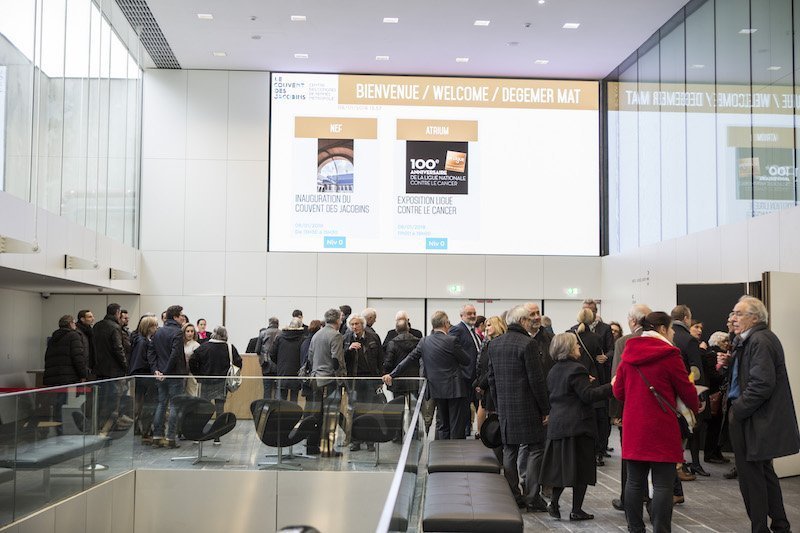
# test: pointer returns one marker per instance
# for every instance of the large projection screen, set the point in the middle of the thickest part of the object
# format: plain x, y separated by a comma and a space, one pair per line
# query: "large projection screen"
396, 164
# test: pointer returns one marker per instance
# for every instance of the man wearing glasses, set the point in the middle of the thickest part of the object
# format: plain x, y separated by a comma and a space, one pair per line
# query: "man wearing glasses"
761, 419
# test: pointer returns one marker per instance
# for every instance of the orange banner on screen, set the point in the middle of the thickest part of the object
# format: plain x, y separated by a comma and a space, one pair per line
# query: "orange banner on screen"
437, 130
335, 128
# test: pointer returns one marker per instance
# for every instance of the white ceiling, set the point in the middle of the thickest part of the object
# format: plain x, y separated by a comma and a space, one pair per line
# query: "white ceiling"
346, 36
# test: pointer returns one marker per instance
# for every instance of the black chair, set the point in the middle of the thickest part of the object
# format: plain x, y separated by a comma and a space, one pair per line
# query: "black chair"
194, 414
376, 422
282, 423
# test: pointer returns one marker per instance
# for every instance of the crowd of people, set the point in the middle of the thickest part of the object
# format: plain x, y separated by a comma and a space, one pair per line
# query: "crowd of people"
555, 397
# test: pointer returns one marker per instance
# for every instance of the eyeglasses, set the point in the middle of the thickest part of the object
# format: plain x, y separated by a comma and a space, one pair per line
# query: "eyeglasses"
742, 313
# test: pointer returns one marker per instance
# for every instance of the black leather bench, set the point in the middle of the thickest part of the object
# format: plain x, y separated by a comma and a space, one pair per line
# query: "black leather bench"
461, 456
43, 454
470, 502
403, 504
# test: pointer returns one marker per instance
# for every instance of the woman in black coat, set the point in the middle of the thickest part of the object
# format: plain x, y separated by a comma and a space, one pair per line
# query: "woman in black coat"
598, 365
214, 358
285, 352
569, 452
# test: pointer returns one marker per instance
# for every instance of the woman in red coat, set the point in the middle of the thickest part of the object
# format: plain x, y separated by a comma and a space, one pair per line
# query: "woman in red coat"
651, 440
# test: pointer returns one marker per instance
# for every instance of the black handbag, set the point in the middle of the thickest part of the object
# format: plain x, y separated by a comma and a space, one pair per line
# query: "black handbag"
683, 424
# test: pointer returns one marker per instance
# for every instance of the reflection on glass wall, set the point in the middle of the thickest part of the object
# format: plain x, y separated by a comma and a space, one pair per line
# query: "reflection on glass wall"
702, 122
70, 104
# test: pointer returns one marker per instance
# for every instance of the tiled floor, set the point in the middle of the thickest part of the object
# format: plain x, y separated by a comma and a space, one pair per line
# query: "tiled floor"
712, 504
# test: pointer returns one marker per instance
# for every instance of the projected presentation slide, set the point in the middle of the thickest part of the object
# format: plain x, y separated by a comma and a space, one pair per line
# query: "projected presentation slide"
391, 164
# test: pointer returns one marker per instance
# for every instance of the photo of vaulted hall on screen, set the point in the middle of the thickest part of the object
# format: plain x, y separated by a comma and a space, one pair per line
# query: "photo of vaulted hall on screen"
335, 165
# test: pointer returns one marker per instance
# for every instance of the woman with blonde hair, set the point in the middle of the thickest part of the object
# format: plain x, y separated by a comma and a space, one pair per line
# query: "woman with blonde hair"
145, 389
190, 344
494, 327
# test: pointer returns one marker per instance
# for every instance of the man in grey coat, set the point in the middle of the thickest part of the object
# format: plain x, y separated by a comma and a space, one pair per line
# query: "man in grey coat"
518, 386
326, 353
761, 417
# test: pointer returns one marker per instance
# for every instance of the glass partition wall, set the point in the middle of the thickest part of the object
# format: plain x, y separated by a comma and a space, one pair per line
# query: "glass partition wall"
57, 442
702, 122
70, 111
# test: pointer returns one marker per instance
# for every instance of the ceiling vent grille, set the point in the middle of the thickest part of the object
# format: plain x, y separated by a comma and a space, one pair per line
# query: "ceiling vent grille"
141, 19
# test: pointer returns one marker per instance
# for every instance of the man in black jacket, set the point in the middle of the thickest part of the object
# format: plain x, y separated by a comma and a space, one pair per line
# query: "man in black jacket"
761, 417
166, 358
110, 362
392, 333
64, 363
444, 362
84, 327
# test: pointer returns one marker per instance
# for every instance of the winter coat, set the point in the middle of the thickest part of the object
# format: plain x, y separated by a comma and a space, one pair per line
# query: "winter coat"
571, 399
64, 360
165, 352
109, 353
285, 352
138, 364
211, 359
652, 433
87, 337
397, 349
765, 407
366, 361
518, 387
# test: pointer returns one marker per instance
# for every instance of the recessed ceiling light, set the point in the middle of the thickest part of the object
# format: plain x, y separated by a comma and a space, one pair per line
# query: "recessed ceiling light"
481, 23
219, 54
541, 2
301, 56
462, 60
774, 67
697, 66
381, 58
571, 25
390, 20
298, 18
542, 61
205, 16
512, 43
748, 31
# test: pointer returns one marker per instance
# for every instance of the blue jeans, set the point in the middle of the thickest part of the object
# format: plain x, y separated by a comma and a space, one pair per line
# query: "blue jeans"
167, 389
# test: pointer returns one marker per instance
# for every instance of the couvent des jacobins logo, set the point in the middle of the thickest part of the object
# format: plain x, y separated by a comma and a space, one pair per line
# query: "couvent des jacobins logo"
436, 167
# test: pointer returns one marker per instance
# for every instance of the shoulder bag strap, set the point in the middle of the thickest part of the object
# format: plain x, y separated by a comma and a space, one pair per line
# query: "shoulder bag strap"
660, 399
230, 353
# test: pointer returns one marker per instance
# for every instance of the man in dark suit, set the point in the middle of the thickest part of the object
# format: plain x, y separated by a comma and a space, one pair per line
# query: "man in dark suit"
635, 316
469, 341
761, 417
443, 362
518, 388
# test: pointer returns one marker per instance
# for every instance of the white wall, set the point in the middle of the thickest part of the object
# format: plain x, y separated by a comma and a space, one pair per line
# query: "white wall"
27, 317
736, 252
20, 314
204, 223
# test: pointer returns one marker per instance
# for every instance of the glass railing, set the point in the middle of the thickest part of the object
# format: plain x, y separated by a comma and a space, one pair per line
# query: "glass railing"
57, 442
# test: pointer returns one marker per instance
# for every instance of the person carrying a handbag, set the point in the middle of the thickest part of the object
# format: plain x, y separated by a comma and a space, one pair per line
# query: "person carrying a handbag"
214, 358
650, 379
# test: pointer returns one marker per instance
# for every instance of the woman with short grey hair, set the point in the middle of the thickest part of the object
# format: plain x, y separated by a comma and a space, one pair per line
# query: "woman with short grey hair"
569, 459
214, 358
